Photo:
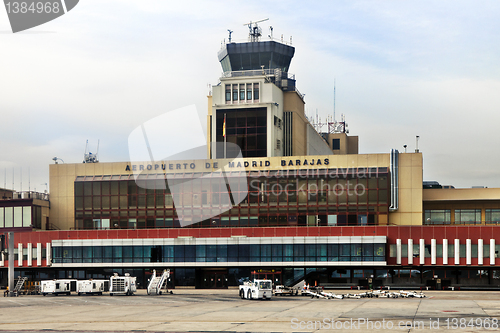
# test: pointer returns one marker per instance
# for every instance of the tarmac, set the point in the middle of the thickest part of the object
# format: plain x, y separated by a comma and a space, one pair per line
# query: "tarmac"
193, 310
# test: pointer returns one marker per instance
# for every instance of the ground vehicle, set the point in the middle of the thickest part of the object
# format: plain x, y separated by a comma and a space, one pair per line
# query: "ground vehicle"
92, 287
122, 284
57, 287
258, 289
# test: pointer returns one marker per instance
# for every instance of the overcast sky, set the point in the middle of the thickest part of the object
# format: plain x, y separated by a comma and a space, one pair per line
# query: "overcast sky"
402, 68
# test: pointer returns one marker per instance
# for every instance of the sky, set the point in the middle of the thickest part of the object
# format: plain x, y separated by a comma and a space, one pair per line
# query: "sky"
401, 69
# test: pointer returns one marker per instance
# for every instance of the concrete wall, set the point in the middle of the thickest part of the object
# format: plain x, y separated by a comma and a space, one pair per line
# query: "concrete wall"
316, 145
410, 191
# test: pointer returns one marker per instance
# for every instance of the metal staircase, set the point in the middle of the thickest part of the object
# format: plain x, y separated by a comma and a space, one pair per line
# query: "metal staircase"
157, 282
19, 284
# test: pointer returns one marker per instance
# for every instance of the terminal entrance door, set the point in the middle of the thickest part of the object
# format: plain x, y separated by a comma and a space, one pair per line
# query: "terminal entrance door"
213, 279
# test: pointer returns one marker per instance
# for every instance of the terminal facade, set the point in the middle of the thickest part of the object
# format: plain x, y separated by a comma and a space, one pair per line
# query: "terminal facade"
273, 199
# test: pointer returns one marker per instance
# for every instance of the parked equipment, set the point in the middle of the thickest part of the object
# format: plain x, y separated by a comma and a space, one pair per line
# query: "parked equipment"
318, 293
122, 285
258, 289
284, 290
57, 287
157, 282
92, 287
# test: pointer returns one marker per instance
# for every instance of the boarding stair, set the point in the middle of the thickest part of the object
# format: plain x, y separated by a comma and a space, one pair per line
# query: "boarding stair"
19, 285
157, 282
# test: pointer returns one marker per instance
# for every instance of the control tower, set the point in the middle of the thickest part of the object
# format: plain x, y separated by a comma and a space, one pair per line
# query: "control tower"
256, 104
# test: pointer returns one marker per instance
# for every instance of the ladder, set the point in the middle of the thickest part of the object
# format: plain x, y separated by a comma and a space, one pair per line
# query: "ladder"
156, 282
19, 284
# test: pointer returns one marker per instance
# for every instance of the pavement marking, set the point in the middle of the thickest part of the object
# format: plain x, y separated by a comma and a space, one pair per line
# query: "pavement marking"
17, 302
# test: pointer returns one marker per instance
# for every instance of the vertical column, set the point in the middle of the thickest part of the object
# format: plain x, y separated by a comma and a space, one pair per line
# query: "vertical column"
2, 259
468, 252
410, 251
398, 251
422, 251
20, 254
480, 249
30, 254
11, 263
492, 252
48, 256
457, 251
433, 251
39, 254
445, 252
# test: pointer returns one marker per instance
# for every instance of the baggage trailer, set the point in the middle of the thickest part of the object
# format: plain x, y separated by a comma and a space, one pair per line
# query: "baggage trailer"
92, 287
284, 290
58, 287
258, 289
124, 285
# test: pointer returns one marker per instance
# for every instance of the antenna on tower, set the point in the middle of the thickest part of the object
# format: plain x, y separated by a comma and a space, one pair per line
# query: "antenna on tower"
333, 99
230, 32
88, 157
271, 29
254, 30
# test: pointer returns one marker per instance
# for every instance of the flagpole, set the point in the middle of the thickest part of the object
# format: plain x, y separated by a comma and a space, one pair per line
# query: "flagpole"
224, 130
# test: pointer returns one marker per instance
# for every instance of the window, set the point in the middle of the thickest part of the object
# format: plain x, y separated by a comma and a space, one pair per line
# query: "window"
255, 91
335, 144
437, 216
249, 92
467, 216
228, 92
235, 92
242, 92
492, 216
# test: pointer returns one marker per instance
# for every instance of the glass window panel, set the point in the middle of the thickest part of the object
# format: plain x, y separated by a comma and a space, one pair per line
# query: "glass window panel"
18, 217
78, 188
9, 218
138, 252
117, 253
96, 188
492, 215
437, 216
201, 253
107, 252
467, 216
87, 188
114, 188
168, 251
127, 253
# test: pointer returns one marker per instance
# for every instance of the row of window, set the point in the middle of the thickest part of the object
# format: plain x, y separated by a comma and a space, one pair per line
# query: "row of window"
214, 192
242, 92
461, 216
219, 253
109, 222
18, 217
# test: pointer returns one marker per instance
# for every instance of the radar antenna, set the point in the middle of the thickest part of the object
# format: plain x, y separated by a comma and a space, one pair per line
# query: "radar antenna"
254, 30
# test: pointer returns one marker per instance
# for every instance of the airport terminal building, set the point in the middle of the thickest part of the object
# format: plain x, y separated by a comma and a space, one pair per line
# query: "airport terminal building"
273, 198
